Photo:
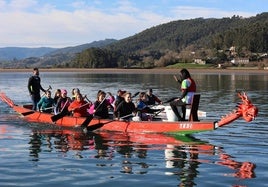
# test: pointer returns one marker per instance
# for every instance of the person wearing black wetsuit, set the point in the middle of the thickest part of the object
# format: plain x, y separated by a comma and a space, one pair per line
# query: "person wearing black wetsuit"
125, 108
34, 87
152, 99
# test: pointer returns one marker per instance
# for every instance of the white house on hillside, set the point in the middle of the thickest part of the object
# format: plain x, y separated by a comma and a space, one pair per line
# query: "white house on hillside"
240, 61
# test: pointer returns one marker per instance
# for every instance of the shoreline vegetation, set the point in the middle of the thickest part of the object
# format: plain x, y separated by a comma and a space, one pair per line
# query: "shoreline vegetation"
142, 71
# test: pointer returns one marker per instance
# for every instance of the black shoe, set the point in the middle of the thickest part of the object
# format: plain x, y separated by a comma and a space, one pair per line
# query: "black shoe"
181, 119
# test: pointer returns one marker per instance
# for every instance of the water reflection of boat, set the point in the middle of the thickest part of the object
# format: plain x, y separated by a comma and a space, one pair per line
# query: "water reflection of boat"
183, 155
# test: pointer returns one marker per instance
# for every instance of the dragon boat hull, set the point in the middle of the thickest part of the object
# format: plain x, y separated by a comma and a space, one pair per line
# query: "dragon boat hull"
115, 125
246, 110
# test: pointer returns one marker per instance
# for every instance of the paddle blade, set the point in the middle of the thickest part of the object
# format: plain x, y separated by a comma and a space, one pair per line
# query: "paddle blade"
171, 99
27, 113
95, 126
57, 116
87, 121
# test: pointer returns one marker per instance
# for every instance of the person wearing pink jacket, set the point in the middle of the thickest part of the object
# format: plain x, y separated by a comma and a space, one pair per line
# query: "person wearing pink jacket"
102, 105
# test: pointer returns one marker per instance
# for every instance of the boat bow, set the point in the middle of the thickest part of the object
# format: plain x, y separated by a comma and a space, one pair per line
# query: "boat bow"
244, 109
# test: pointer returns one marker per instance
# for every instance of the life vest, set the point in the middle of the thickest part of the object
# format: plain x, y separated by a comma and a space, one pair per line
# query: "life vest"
189, 85
192, 87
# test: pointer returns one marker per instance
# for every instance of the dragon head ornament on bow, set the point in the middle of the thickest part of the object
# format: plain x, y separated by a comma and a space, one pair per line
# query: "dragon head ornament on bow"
244, 109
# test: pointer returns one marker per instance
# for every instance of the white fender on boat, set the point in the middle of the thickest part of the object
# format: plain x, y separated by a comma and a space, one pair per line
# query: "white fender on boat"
170, 116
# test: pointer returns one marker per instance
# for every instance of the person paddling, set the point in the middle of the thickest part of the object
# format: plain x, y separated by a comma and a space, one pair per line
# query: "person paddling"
75, 91
143, 108
188, 88
101, 106
63, 103
152, 99
79, 107
125, 108
119, 97
46, 103
57, 95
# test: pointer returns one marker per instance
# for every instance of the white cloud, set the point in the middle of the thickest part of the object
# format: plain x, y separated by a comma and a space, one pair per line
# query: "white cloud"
186, 12
55, 27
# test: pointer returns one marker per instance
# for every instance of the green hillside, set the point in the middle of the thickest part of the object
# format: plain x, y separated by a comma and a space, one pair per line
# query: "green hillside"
184, 41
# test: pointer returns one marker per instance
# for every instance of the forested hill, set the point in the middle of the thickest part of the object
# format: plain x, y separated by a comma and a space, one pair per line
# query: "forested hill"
182, 41
251, 33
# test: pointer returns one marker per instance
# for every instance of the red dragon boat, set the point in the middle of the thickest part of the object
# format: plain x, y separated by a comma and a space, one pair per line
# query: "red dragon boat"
245, 109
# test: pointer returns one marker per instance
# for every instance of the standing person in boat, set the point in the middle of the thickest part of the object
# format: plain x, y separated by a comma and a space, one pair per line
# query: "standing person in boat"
79, 107
188, 88
101, 106
63, 103
125, 108
152, 99
34, 87
46, 103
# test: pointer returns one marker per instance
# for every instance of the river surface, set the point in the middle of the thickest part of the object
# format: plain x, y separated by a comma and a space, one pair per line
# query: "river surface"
40, 155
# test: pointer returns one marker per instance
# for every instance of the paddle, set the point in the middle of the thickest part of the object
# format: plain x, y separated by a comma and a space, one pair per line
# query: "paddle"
49, 88
135, 94
89, 118
60, 114
158, 112
44, 109
101, 103
28, 113
99, 125
176, 79
167, 101
171, 99
86, 122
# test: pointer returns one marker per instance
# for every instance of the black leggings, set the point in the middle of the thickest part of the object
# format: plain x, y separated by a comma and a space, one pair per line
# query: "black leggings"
174, 105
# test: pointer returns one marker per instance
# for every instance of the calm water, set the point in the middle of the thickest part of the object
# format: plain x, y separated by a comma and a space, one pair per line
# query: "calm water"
40, 155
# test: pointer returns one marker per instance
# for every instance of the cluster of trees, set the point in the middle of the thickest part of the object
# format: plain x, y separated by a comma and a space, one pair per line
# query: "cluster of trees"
97, 58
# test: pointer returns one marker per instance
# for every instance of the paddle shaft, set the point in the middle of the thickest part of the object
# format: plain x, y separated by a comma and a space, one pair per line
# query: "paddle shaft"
99, 125
81, 106
134, 95
67, 100
44, 109
89, 118
61, 114
100, 103
49, 88
171, 99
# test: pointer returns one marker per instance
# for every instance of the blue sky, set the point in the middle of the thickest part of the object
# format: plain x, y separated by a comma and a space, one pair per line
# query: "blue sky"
62, 23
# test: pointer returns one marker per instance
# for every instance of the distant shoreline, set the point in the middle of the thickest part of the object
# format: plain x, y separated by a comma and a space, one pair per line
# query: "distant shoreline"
143, 71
